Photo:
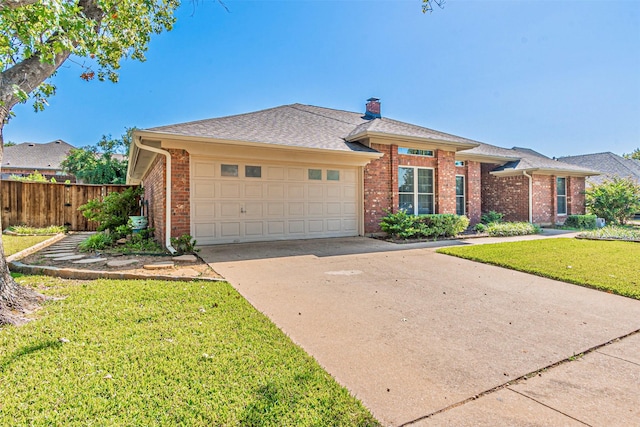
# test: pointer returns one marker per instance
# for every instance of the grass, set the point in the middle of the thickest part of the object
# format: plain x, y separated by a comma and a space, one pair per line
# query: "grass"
51, 230
14, 244
161, 353
606, 265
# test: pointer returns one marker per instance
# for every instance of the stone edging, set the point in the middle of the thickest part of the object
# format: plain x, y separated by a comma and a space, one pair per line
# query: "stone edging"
72, 273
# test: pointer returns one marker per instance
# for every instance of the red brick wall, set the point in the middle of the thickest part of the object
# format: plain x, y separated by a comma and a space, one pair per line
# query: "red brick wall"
472, 171
507, 195
154, 193
575, 193
381, 183
378, 181
180, 193
544, 199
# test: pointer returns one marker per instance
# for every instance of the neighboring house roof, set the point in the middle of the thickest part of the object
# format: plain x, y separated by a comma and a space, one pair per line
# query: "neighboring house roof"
609, 164
29, 155
307, 126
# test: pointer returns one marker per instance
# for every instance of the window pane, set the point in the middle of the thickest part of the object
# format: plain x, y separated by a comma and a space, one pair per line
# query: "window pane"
562, 187
333, 175
415, 151
425, 204
562, 205
405, 180
459, 185
229, 170
406, 203
460, 205
253, 171
425, 181
459, 163
315, 174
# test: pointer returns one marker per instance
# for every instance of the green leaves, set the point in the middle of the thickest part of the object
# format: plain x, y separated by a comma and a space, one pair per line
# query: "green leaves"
614, 200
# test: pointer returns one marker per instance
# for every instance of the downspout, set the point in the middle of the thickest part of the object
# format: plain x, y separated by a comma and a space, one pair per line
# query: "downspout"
167, 155
530, 195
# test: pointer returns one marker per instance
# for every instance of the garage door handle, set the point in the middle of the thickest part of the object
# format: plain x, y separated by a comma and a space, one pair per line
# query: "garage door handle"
242, 210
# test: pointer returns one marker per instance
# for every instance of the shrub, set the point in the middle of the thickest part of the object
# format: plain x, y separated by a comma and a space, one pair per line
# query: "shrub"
23, 229
610, 232
491, 217
503, 229
587, 222
114, 210
184, 244
96, 242
401, 225
480, 228
614, 200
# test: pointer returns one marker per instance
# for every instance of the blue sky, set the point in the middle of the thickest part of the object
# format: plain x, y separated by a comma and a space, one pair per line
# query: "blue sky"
561, 77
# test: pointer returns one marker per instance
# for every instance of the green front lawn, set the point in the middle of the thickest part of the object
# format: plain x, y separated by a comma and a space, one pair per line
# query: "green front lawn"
605, 265
159, 353
14, 244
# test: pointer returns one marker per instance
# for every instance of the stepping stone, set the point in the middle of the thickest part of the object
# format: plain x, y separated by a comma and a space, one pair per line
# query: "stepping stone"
89, 260
69, 257
121, 262
59, 254
185, 258
159, 265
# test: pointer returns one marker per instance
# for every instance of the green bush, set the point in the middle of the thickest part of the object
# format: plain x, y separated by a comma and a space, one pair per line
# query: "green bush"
504, 229
612, 233
184, 244
615, 200
45, 231
584, 222
96, 242
401, 225
114, 210
480, 228
491, 217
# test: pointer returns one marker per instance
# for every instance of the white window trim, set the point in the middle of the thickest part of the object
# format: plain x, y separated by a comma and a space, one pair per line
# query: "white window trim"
415, 186
433, 152
464, 194
565, 197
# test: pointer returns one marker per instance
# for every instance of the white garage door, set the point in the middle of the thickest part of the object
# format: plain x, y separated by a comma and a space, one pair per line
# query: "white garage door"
252, 201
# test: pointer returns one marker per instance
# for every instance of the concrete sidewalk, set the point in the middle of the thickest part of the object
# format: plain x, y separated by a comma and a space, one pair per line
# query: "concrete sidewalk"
427, 339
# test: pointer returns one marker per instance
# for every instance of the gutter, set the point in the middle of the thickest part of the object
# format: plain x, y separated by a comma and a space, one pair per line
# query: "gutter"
167, 234
530, 195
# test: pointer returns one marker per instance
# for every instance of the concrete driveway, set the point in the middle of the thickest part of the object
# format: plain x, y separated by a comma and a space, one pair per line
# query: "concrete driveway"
427, 339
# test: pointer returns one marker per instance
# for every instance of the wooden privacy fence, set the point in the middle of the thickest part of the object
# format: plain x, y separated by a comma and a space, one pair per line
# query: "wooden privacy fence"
38, 204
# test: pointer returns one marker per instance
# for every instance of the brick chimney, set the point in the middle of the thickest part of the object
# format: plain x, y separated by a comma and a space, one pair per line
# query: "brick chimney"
373, 109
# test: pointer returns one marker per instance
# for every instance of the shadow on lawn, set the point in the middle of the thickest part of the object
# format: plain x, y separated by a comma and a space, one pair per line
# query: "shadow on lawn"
24, 351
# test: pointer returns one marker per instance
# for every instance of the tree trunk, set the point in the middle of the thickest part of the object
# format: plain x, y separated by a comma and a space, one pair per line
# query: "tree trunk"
15, 300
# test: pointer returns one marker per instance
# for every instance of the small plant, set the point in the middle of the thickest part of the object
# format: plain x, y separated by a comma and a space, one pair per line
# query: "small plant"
123, 231
184, 244
491, 217
612, 233
504, 229
582, 222
141, 242
480, 228
96, 242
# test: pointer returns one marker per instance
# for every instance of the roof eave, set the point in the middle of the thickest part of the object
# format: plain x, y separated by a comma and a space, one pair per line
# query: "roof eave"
388, 137
545, 171
484, 158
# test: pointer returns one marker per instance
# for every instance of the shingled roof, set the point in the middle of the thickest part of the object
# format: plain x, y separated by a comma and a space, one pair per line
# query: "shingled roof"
609, 164
41, 157
299, 125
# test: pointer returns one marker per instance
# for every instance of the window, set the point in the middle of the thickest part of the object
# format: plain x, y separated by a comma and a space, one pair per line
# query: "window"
315, 174
561, 184
333, 175
415, 187
459, 163
229, 170
253, 171
415, 151
460, 199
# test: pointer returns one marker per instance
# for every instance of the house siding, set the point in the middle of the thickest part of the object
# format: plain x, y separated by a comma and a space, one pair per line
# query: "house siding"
378, 193
507, 195
154, 194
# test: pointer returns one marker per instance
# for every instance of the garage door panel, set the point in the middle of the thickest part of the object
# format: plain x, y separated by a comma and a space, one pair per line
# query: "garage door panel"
280, 203
230, 190
254, 228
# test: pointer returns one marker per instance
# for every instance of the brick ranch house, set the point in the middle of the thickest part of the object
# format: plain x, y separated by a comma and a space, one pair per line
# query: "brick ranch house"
300, 171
